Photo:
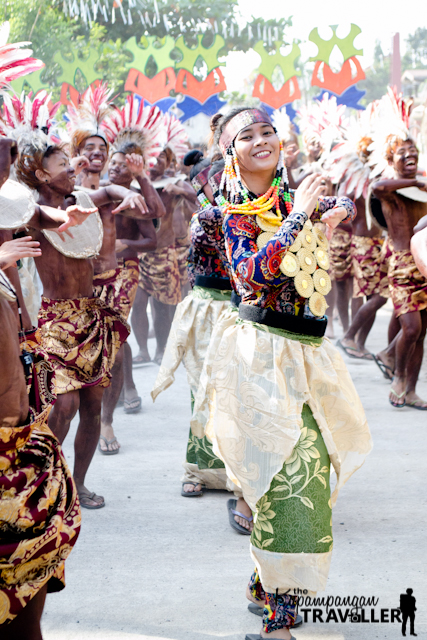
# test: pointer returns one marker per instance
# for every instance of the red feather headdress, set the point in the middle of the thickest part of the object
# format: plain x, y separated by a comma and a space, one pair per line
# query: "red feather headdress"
88, 118
15, 61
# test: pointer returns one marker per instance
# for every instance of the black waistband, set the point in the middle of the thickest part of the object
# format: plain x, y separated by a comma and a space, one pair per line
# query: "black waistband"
286, 321
235, 299
223, 284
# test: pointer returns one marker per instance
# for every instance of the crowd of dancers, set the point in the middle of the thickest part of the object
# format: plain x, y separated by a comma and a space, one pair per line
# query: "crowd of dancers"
243, 249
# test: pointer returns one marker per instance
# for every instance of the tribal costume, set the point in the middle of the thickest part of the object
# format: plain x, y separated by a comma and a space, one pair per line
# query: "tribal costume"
282, 404
117, 287
159, 275
370, 276
39, 507
188, 341
182, 248
340, 254
408, 287
82, 338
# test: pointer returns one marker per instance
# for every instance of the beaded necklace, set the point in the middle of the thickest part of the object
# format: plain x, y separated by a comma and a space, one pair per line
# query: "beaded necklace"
251, 205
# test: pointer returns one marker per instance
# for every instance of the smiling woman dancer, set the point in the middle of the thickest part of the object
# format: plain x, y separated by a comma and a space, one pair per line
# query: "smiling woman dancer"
284, 405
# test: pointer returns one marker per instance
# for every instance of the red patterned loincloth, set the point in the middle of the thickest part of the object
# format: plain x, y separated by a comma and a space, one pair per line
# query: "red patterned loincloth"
408, 287
386, 253
39, 506
340, 255
159, 275
367, 266
81, 338
182, 248
117, 287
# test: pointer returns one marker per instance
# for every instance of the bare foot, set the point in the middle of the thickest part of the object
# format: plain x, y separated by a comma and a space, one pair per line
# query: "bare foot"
108, 433
398, 392
141, 358
243, 507
191, 488
250, 597
413, 400
88, 499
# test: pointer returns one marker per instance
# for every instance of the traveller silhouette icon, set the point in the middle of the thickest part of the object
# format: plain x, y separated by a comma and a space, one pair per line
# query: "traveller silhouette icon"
408, 608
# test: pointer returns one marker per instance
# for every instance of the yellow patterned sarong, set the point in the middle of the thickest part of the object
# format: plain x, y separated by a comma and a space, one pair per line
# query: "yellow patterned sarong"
159, 275
117, 287
408, 287
340, 255
370, 275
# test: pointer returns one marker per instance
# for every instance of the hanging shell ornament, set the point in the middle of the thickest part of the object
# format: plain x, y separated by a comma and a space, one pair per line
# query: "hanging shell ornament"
296, 246
307, 260
263, 238
308, 239
266, 226
322, 282
317, 305
321, 239
304, 284
322, 258
290, 265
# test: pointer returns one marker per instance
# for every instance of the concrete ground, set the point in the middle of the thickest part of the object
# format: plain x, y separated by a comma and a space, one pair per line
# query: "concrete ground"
153, 565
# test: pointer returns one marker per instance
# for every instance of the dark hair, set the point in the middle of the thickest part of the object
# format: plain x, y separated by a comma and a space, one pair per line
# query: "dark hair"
30, 159
193, 157
216, 167
128, 148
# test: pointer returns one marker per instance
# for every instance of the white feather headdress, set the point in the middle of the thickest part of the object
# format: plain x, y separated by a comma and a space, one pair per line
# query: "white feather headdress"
138, 125
323, 120
283, 124
15, 61
88, 118
392, 125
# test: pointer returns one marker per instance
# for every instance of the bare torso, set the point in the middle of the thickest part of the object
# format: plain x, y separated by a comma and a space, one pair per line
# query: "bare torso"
401, 214
106, 259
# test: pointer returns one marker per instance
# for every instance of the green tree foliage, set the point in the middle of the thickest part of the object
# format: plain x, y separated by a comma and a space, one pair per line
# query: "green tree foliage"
377, 76
416, 53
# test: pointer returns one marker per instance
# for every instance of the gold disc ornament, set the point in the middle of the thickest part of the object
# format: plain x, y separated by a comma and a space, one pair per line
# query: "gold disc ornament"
308, 224
290, 265
304, 284
322, 258
296, 246
307, 260
263, 238
322, 282
267, 226
321, 239
317, 305
308, 239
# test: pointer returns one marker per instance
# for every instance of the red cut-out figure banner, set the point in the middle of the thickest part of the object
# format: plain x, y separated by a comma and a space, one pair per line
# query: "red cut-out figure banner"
264, 90
200, 90
153, 89
337, 82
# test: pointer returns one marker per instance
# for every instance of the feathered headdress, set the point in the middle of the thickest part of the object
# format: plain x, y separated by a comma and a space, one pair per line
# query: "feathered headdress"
15, 61
323, 120
88, 118
136, 125
283, 125
347, 164
27, 115
175, 135
391, 128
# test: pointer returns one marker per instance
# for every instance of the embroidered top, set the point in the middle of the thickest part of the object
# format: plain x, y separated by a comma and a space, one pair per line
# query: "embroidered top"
203, 257
256, 274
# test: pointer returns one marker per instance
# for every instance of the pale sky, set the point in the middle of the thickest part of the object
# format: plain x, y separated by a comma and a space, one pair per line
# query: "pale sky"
378, 19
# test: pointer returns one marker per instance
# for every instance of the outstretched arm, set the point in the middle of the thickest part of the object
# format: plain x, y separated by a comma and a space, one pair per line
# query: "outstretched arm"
146, 242
382, 187
128, 200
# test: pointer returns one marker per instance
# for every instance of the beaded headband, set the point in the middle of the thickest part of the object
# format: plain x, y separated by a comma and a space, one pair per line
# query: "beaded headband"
199, 181
241, 121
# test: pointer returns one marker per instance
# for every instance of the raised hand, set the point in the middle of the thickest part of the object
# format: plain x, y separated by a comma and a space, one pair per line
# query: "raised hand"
135, 164
14, 250
132, 201
79, 163
308, 193
332, 219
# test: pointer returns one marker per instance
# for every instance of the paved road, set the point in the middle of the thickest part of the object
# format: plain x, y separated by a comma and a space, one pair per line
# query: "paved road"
153, 565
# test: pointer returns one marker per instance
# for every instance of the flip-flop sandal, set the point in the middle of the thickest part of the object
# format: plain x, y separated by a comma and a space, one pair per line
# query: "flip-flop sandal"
398, 396
109, 452
347, 350
413, 406
257, 636
132, 406
138, 361
231, 507
191, 494
384, 368
90, 496
258, 611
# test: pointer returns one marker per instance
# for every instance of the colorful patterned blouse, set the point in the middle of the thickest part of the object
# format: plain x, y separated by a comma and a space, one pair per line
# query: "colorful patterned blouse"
256, 274
203, 258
